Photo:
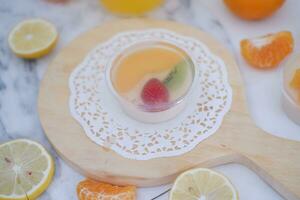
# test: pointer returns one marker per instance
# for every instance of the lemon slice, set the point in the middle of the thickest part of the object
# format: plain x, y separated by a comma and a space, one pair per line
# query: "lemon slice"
33, 38
26, 170
202, 184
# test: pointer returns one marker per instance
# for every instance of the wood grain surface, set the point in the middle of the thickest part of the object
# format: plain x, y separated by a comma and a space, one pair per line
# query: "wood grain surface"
238, 140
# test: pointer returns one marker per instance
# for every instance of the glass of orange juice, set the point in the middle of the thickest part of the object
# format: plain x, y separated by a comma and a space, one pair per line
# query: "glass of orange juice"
130, 7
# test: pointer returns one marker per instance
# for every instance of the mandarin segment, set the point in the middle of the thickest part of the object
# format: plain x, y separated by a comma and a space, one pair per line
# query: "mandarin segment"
267, 51
93, 190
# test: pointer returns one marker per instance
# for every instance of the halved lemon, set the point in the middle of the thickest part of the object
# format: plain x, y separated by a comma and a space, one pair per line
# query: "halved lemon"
26, 170
203, 184
33, 38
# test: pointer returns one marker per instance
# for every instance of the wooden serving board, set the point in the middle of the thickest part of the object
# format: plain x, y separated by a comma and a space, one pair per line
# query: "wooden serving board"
238, 140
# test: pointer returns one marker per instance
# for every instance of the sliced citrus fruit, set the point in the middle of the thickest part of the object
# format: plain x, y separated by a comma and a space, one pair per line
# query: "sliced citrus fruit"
267, 51
33, 38
26, 170
198, 184
93, 190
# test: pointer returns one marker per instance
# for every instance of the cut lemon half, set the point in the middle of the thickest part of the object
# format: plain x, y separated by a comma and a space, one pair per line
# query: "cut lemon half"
33, 38
203, 184
26, 170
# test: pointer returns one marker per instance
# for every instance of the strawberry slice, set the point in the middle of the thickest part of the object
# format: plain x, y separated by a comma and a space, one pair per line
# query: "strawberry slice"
155, 93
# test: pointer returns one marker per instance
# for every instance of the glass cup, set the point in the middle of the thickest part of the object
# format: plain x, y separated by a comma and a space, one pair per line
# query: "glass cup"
58, 1
130, 7
151, 94
290, 95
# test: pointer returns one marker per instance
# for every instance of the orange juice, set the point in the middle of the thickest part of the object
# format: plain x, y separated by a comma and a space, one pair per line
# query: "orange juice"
130, 7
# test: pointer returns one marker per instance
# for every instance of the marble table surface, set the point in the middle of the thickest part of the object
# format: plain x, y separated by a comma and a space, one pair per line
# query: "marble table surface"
19, 79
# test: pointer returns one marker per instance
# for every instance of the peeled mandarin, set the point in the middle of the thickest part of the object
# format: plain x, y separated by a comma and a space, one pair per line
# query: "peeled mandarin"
135, 66
93, 190
267, 51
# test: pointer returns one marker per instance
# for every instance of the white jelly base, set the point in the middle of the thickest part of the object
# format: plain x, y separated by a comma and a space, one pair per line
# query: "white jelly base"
152, 117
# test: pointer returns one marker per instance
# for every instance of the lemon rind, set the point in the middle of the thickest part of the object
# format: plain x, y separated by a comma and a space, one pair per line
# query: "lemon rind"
227, 181
37, 52
37, 190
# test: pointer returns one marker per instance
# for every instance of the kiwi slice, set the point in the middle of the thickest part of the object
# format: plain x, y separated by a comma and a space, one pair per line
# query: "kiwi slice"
177, 76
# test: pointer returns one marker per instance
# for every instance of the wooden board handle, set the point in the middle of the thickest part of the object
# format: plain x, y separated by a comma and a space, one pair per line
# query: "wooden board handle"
277, 161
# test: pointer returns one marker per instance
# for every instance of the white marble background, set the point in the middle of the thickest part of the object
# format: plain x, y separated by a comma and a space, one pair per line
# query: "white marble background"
19, 79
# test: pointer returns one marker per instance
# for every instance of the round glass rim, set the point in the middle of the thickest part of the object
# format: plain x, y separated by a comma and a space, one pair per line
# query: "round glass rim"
162, 106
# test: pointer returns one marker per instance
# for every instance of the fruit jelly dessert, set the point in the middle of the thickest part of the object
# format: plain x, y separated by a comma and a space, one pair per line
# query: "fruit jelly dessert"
153, 75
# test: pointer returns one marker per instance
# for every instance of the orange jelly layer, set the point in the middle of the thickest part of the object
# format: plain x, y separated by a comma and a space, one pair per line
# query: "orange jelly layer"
295, 83
132, 68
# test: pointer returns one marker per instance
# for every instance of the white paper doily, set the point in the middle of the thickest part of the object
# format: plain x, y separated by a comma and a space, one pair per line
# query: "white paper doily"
93, 105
